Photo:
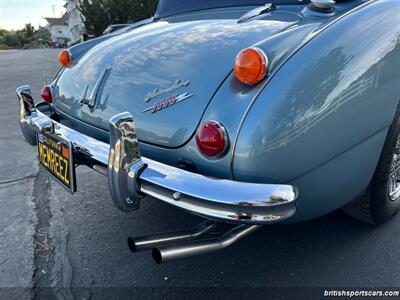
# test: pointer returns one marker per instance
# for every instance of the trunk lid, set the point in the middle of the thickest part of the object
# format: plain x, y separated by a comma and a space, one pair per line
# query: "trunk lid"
177, 56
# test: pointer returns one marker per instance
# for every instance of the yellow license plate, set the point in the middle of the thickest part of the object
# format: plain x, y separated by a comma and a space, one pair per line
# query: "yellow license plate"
55, 156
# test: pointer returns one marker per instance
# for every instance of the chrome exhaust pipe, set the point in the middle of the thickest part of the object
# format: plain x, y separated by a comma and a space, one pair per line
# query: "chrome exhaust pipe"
167, 253
150, 241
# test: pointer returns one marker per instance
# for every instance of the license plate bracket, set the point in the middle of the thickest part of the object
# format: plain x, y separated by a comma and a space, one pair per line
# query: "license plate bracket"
55, 156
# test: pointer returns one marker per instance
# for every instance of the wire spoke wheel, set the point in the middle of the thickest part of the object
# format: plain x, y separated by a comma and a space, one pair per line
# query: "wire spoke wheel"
394, 178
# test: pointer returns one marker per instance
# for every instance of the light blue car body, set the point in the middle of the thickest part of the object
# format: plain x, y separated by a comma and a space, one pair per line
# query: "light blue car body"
318, 120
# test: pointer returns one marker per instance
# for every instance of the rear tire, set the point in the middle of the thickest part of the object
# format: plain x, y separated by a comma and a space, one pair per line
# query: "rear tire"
381, 201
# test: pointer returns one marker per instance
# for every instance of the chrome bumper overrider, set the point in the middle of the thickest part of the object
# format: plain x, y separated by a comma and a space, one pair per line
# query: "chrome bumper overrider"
131, 176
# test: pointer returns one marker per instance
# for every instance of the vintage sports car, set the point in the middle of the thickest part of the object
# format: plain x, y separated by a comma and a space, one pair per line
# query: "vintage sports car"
247, 112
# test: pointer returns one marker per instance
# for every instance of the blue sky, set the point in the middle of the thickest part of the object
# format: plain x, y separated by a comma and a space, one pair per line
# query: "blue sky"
15, 13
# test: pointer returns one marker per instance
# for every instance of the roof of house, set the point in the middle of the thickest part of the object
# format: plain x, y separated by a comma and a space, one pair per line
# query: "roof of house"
58, 21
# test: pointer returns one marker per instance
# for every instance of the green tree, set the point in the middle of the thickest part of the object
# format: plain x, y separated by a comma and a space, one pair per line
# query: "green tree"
27, 37
99, 14
95, 15
3, 32
14, 39
42, 36
28, 31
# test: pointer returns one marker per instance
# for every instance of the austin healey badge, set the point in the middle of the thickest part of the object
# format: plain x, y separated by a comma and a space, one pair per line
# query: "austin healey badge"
169, 101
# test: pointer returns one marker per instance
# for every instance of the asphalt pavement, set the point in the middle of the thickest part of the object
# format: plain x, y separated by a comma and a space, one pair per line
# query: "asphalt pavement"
52, 242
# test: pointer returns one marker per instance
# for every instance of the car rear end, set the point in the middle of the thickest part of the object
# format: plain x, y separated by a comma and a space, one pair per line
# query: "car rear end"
148, 109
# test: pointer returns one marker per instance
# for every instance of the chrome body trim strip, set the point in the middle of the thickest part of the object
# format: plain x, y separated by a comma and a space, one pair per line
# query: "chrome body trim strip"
91, 101
131, 176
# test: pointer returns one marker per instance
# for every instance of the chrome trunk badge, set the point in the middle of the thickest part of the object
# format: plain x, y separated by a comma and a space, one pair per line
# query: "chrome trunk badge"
158, 92
168, 102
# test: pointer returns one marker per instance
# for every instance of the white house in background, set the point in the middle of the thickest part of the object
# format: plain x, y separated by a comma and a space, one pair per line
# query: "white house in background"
58, 28
75, 21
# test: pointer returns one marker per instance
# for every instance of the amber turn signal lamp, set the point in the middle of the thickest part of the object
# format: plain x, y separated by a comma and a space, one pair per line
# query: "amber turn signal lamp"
65, 58
251, 65
211, 138
46, 94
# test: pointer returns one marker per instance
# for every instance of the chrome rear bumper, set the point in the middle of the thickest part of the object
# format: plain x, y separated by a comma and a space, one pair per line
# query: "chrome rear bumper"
132, 176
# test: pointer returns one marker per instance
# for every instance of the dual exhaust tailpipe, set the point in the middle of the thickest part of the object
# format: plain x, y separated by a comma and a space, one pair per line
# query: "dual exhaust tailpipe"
169, 246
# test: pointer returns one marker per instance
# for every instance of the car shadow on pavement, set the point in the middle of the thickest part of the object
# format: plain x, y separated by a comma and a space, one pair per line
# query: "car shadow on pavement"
331, 251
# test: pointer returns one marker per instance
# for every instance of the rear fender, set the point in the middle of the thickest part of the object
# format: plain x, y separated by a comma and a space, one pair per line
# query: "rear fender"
339, 90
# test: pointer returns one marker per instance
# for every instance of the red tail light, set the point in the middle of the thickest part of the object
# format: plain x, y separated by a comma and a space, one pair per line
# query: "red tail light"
211, 138
46, 94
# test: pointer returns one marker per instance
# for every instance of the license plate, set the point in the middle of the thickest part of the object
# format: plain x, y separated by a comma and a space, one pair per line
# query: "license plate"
55, 156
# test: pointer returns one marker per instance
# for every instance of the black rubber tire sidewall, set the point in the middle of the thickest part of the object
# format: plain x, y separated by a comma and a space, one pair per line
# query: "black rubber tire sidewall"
382, 207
